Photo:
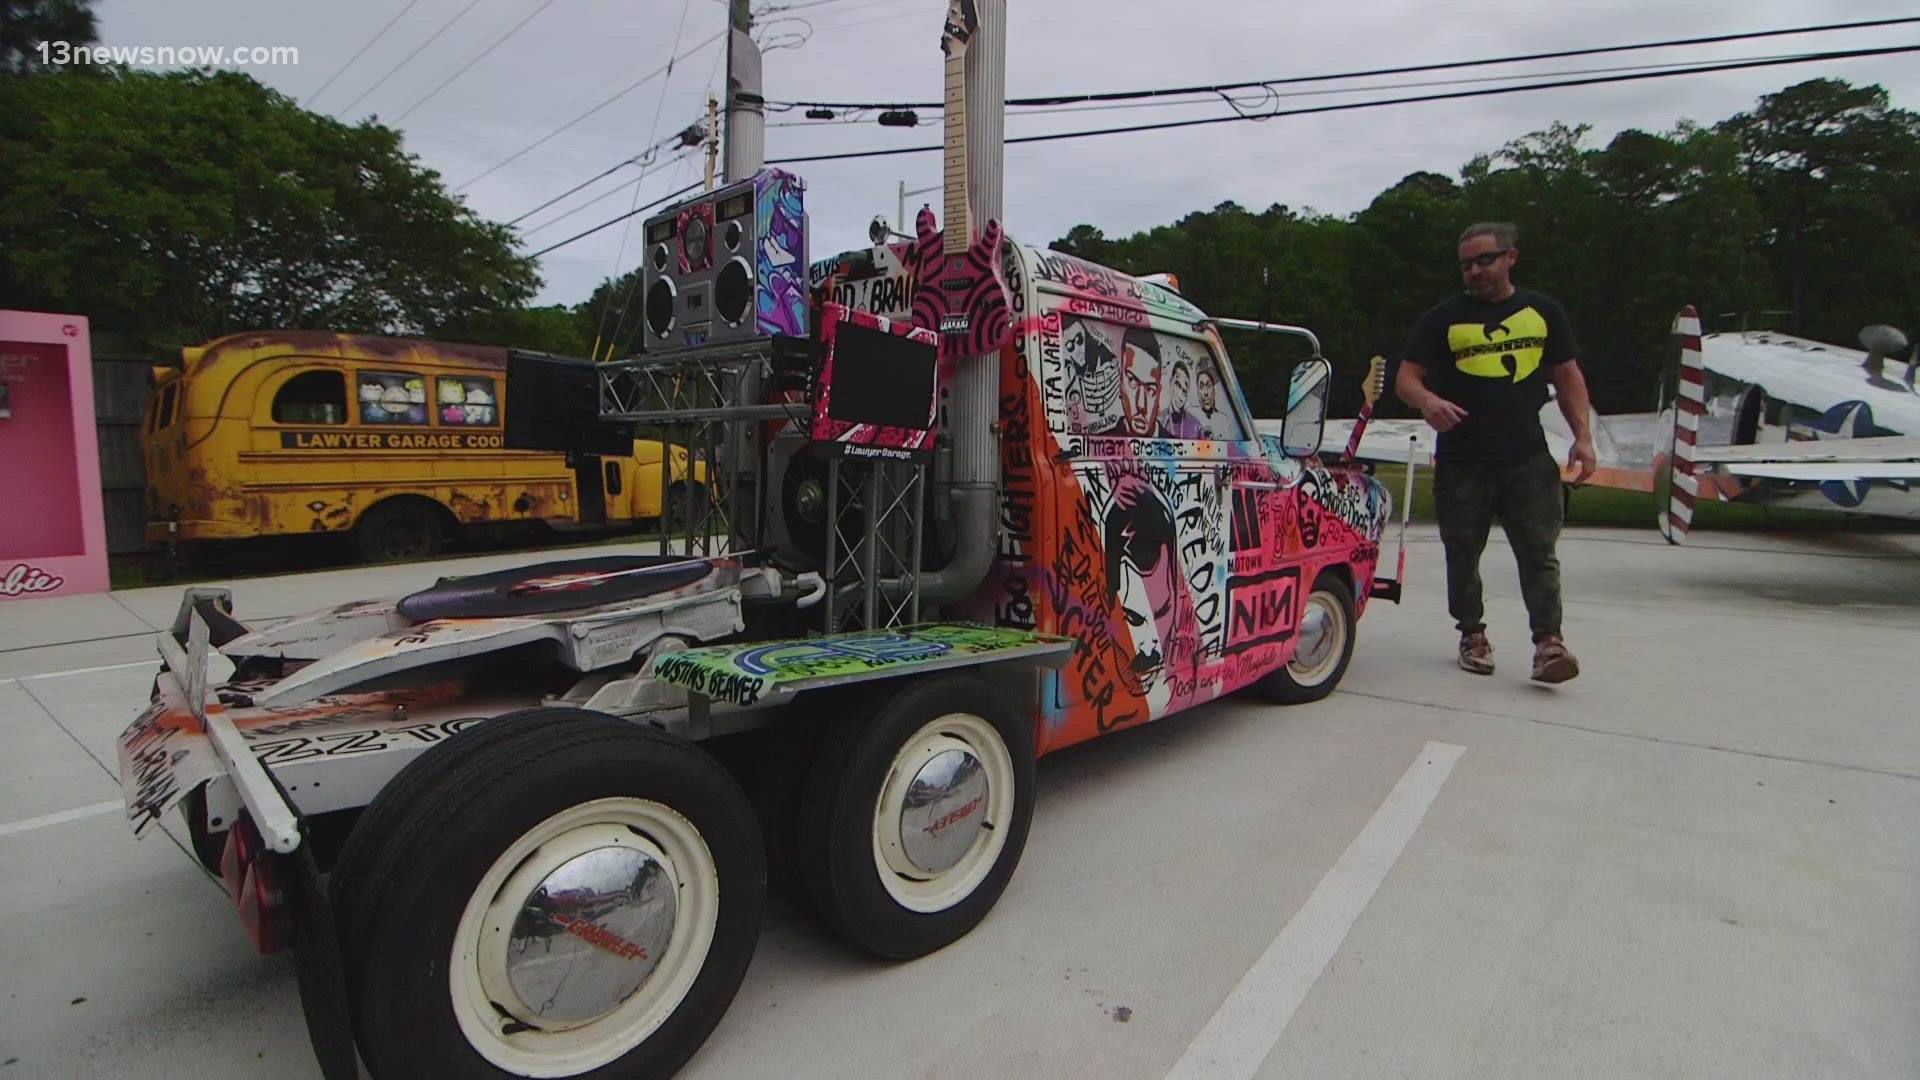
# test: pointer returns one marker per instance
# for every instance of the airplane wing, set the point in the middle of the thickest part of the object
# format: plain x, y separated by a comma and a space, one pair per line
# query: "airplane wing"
1384, 440
1894, 457
1885, 449
1814, 376
1820, 472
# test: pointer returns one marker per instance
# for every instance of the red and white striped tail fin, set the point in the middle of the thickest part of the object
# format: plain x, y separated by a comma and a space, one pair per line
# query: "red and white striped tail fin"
1683, 485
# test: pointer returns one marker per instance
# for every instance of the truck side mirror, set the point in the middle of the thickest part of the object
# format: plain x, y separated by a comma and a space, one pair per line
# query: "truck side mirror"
1306, 418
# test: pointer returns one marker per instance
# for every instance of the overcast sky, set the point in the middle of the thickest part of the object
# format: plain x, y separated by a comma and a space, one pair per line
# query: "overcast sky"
577, 53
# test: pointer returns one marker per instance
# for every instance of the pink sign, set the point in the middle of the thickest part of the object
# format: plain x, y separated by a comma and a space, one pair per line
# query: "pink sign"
53, 533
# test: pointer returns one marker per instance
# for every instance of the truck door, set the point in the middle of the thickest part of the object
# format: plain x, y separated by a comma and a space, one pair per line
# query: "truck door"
1155, 507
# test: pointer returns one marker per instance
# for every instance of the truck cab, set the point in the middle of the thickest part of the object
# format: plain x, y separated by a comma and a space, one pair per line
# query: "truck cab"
1141, 512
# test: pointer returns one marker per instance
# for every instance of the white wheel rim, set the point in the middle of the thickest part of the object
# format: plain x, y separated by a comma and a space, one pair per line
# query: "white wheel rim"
1314, 661
911, 885
526, 1044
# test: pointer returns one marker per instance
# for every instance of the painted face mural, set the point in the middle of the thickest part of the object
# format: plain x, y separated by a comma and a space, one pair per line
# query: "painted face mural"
1093, 377
1179, 386
1209, 401
1143, 574
1141, 390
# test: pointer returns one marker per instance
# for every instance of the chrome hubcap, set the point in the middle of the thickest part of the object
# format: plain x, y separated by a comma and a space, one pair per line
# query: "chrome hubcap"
944, 810
1316, 638
590, 934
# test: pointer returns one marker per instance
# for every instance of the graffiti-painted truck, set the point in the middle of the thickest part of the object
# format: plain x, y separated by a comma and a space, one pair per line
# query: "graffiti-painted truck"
522, 824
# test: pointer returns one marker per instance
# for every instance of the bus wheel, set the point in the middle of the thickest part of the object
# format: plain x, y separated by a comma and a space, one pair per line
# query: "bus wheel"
686, 502
577, 895
1322, 648
399, 530
916, 813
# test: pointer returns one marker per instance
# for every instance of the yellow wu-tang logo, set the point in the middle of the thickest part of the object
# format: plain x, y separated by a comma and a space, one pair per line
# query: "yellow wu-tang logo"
1508, 349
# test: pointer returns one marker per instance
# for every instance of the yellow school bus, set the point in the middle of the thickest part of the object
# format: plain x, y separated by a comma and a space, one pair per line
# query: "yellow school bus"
397, 443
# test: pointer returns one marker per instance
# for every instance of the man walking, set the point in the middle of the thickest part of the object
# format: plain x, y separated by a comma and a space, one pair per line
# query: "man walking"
1477, 367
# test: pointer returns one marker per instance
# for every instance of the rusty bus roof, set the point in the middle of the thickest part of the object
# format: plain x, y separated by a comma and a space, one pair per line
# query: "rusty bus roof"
256, 344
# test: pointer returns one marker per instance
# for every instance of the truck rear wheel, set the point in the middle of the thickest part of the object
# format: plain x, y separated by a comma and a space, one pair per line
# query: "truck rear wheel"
916, 813
575, 896
1322, 648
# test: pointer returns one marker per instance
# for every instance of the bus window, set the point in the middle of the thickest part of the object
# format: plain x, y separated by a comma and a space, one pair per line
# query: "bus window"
467, 401
168, 398
392, 397
312, 397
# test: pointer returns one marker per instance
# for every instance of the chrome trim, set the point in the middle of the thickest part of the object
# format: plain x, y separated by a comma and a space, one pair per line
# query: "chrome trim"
944, 811
590, 934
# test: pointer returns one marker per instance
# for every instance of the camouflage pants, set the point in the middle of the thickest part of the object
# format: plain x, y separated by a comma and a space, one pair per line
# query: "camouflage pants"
1526, 497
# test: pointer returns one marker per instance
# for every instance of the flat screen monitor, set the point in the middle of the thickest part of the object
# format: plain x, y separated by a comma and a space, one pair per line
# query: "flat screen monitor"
882, 379
877, 384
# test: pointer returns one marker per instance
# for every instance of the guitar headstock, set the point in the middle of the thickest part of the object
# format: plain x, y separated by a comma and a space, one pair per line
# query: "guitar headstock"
962, 21
1375, 383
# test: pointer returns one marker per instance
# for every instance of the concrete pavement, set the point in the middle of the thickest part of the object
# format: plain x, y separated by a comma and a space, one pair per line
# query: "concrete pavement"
1696, 860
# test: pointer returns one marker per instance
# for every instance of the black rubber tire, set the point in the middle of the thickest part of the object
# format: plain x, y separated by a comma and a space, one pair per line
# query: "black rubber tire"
399, 530
843, 786
353, 881
487, 788
778, 786
685, 501
1280, 687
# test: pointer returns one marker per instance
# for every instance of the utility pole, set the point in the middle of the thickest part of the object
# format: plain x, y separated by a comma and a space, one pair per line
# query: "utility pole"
746, 109
901, 222
713, 138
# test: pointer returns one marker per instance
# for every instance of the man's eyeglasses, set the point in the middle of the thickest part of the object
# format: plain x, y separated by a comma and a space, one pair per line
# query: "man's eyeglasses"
1483, 260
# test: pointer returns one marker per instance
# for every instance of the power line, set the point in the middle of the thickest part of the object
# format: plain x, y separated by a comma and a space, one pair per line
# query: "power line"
468, 66
649, 77
378, 34
1351, 105
1122, 95
610, 193
659, 107
1343, 107
644, 158
609, 224
448, 25
861, 116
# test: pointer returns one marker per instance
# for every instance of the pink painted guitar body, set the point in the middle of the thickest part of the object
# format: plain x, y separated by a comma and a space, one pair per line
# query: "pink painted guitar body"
962, 297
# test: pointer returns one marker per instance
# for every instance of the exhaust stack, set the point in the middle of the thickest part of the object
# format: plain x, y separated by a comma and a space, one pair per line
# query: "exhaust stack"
974, 402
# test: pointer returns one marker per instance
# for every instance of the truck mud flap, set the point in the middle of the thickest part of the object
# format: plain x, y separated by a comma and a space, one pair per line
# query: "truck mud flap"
319, 965
768, 673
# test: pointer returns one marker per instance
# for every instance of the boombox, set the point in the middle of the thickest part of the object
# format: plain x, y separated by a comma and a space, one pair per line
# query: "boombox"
730, 265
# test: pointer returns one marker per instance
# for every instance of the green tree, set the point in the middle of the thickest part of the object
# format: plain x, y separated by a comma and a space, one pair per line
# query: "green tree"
553, 329
185, 205
1834, 168
611, 318
26, 24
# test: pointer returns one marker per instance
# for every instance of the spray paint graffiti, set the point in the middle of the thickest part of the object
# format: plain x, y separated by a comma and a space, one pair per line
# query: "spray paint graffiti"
780, 302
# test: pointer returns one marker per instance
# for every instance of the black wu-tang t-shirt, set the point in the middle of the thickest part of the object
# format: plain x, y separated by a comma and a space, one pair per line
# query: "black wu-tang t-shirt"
1494, 360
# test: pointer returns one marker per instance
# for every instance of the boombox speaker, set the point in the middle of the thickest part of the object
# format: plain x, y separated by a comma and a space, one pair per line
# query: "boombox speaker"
730, 265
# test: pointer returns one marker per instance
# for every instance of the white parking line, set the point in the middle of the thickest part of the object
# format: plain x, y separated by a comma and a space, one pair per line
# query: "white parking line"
153, 663
1240, 1036
60, 816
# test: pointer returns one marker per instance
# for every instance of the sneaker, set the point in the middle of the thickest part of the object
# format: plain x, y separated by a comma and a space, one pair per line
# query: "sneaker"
1552, 663
1476, 653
